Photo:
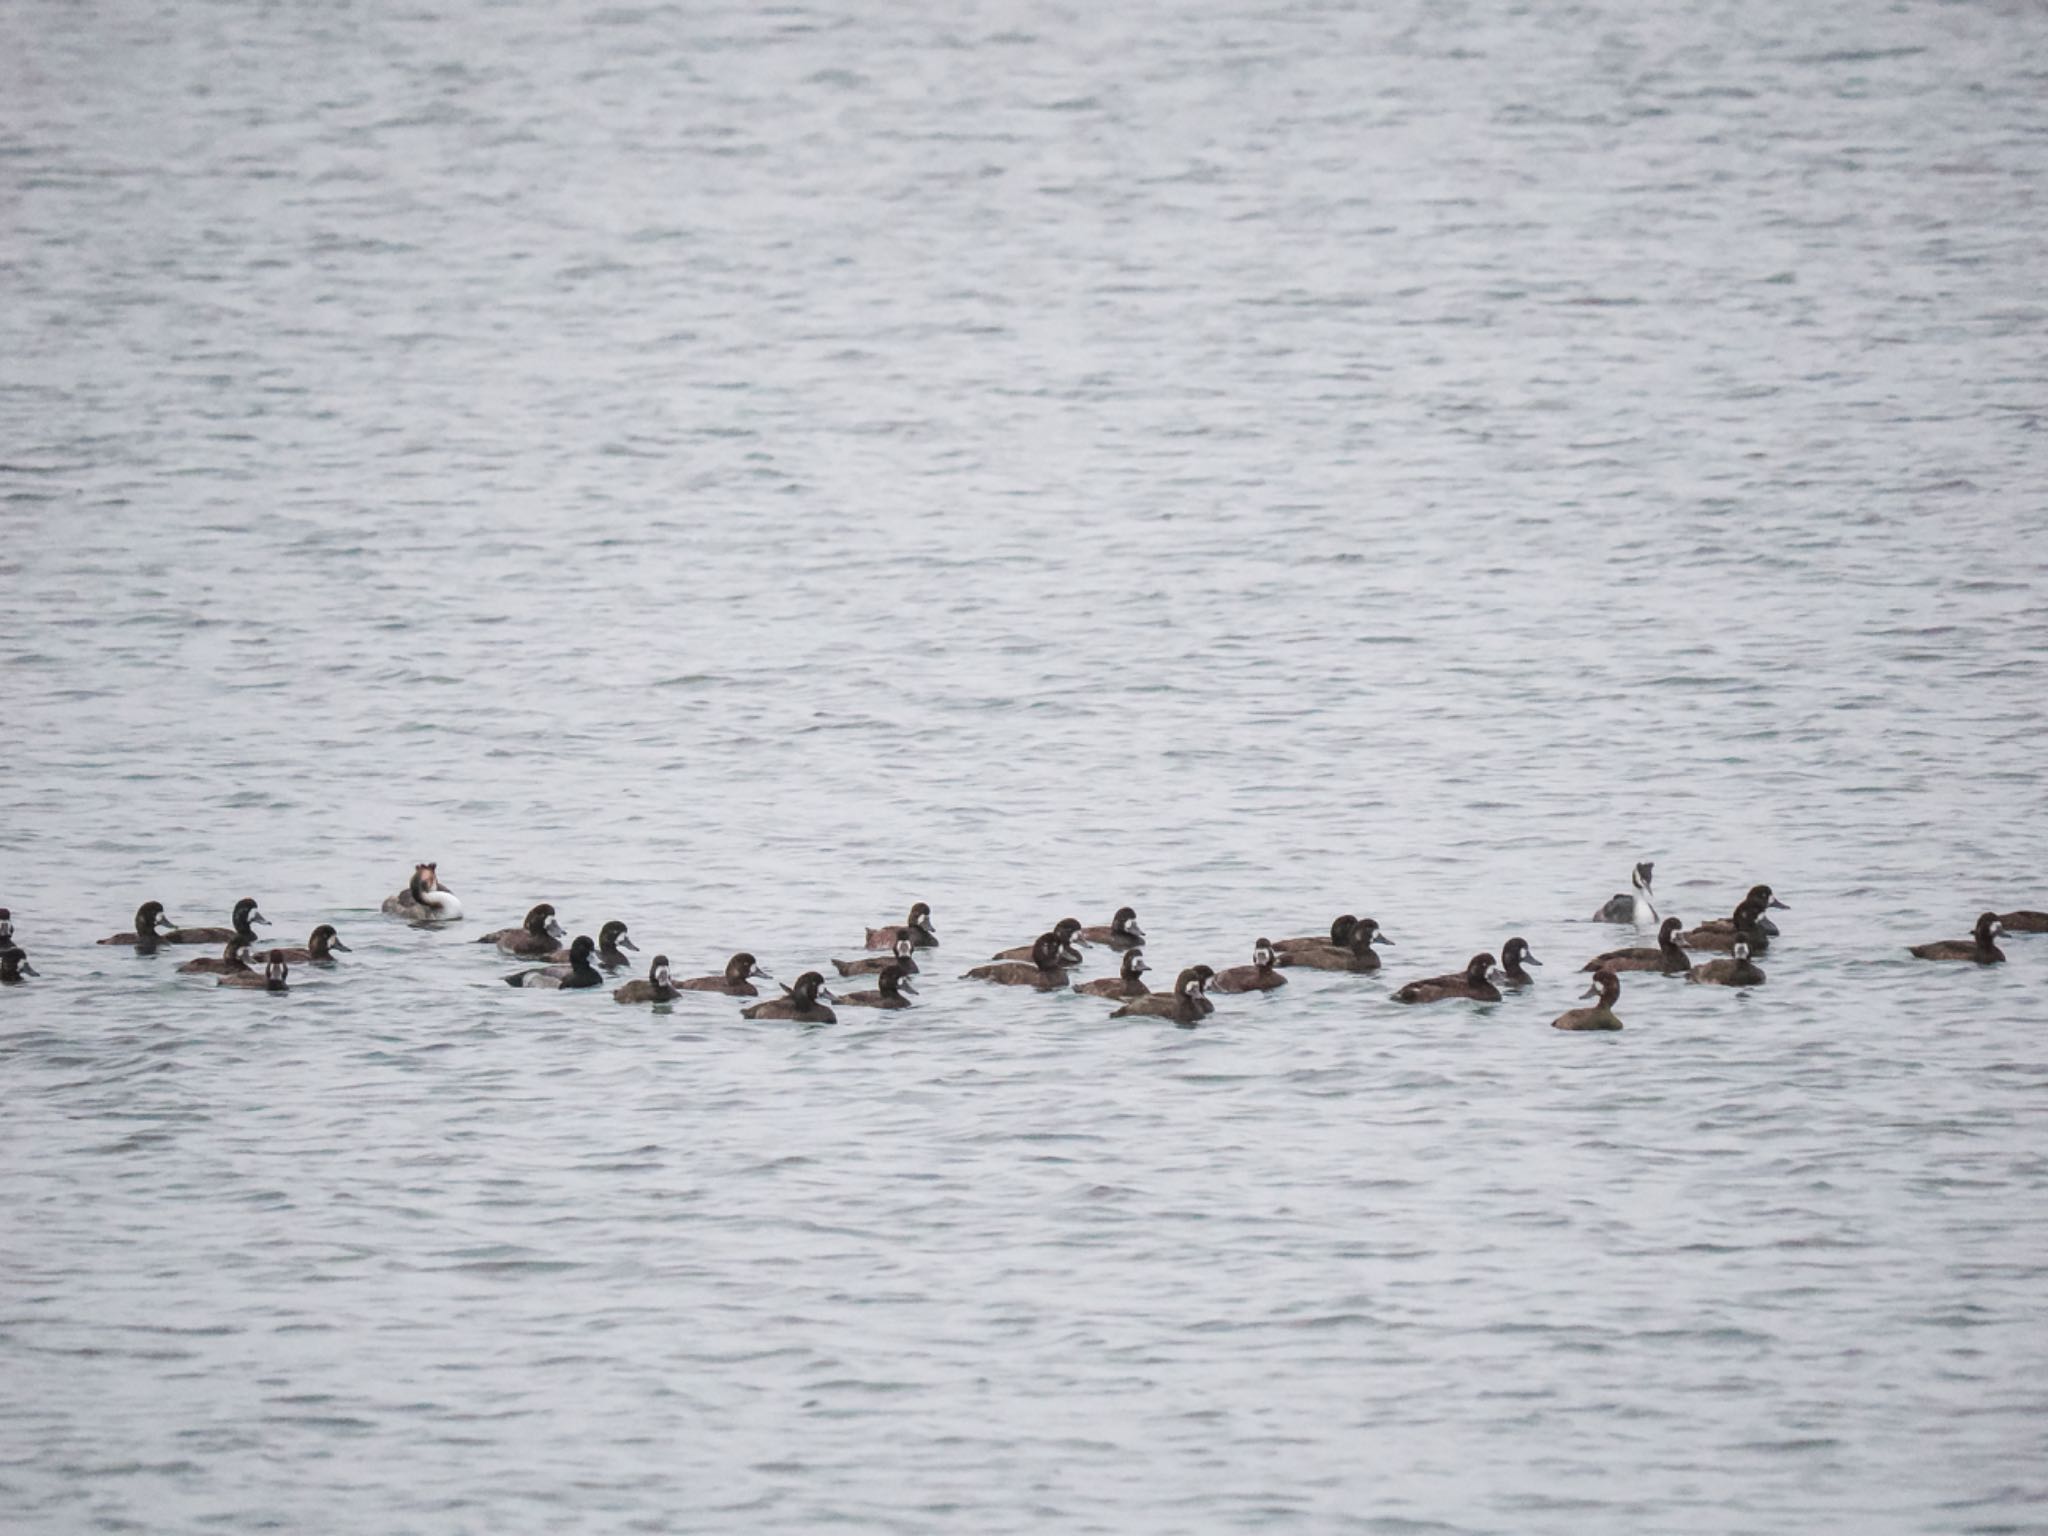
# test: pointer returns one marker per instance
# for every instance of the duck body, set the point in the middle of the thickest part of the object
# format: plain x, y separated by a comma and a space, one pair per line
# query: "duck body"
1633, 905
1339, 937
888, 993
151, 928
1607, 987
1129, 981
424, 899
902, 956
232, 960
1981, 946
611, 946
1259, 976
1723, 934
1513, 956
1737, 970
14, 967
801, 1005
536, 937
654, 987
322, 944
1469, 985
246, 920
917, 928
1123, 932
1184, 1005
1064, 930
1666, 958
2023, 922
1043, 971
274, 977
1355, 955
736, 980
1758, 900
580, 972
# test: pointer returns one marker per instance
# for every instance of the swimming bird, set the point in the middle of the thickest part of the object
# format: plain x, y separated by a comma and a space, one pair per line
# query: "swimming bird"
6, 929
2023, 922
1722, 934
1356, 954
1063, 930
1184, 1005
1043, 970
246, 920
1758, 896
655, 987
891, 984
1471, 984
736, 980
1123, 931
611, 941
1339, 937
579, 972
151, 928
232, 959
1666, 957
800, 1006
274, 977
1980, 946
424, 899
1127, 982
14, 966
321, 945
1739, 971
1513, 956
918, 928
536, 936
901, 955
1607, 987
1259, 976
1634, 905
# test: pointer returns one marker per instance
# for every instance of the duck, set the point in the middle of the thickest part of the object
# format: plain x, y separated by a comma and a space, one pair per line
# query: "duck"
1634, 905
246, 920
1043, 970
424, 899
902, 955
1666, 958
2012, 922
1127, 982
1123, 931
917, 927
611, 942
1470, 984
1063, 930
800, 1006
1758, 896
1513, 956
6, 929
1738, 971
736, 980
1339, 937
1356, 954
890, 986
322, 944
1722, 933
579, 972
1981, 946
1259, 976
232, 960
537, 936
1607, 987
655, 987
1184, 1005
151, 928
274, 977
14, 966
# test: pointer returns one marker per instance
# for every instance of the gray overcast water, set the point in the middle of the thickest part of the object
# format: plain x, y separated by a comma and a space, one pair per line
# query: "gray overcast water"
743, 469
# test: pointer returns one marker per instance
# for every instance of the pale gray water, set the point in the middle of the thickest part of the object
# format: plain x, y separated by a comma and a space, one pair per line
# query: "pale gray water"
744, 470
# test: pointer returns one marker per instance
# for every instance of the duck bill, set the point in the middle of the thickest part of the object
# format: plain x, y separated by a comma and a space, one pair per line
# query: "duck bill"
337, 944
554, 930
1779, 905
1135, 932
1532, 960
905, 986
757, 974
1592, 991
626, 943
258, 920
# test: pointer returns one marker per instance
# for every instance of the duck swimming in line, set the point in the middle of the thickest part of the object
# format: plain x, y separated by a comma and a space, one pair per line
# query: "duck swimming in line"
1759, 897
1063, 930
1665, 957
1043, 970
1339, 937
902, 956
1981, 946
579, 972
1634, 905
736, 980
891, 984
246, 921
655, 987
322, 944
1127, 982
1513, 956
1184, 1005
1747, 926
1607, 987
151, 926
611, 941
1123, 931
1737, 971
1355, 955
1259, 976
424, 899
1469, 985
2023, 922
274, 977
801, 1006
14, 966
917, 928
535, 937
232, 960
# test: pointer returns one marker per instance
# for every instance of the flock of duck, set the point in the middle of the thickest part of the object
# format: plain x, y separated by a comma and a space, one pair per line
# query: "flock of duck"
891, 951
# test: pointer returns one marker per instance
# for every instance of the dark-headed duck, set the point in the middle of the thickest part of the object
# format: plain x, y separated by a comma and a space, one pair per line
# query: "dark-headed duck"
611, 943
890, 985
6, 929
1469, 985
917, 928
901, 955
2023, 922
322, 944
800, 1006
1758, 897
232, 960
1666, 957
537, 936
14, 966
1356, 954
1259, 976
1981, 946
1127, 982
1737, 970
655, 987
736, 980
425, 899
1339, 937
1184, 1005
246, 920
1607, 987
1063, 930
1043, 970
274, 977
1723, 933
1634, 905
151, 928
581, 971
1123, 931
1513, 956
